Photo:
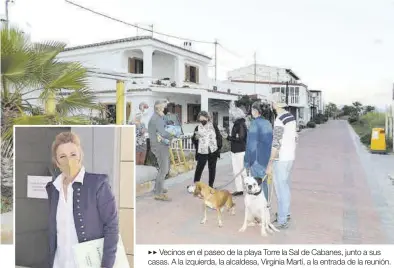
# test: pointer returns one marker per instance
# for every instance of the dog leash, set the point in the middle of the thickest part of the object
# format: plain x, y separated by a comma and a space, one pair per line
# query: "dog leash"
233, 179
270, 189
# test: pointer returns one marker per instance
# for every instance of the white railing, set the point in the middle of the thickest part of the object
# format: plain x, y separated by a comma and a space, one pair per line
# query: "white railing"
141, 81
281, 98
186, 141
294, 99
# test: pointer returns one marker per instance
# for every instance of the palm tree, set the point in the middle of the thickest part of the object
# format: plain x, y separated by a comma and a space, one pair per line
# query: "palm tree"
38, 89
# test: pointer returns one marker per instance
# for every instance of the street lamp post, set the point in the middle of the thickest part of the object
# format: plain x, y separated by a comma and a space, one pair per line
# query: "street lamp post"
287, 93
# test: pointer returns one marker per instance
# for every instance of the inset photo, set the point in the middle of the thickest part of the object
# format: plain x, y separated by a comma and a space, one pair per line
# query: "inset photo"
74, 196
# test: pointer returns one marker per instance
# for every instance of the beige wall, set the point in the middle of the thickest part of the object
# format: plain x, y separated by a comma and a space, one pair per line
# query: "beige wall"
125, 188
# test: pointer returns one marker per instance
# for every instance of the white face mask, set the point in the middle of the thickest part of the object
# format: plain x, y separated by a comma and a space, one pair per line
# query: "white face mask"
255, 113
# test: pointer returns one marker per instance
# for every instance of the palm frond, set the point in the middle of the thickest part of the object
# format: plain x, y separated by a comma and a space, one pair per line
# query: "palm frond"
47, 51
77, 101
74, 120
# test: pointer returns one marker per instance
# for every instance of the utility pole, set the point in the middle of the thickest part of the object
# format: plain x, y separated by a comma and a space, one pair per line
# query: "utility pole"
216, 59
6, 12
255, 72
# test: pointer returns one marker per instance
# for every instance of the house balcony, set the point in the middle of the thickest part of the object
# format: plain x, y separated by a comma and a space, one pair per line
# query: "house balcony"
141, 82
293, 99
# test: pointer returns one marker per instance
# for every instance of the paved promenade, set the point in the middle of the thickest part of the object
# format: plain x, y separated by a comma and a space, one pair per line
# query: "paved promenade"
340, 195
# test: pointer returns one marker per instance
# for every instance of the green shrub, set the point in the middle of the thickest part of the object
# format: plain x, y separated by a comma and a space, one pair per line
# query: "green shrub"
311, 124
366, 139
352, 119
389, 144
317, 121
320, 117
373, 119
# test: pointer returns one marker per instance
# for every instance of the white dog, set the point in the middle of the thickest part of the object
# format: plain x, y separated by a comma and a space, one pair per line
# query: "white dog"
256, 207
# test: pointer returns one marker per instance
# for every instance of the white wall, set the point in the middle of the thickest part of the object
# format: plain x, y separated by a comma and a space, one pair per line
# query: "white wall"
263, 73
111, 60
303, 97
163, 63
163, 66
249, 88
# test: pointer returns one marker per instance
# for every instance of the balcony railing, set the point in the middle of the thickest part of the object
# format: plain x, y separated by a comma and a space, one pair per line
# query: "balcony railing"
281, 98
144, 82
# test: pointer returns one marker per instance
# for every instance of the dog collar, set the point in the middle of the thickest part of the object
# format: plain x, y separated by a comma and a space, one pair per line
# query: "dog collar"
259, 192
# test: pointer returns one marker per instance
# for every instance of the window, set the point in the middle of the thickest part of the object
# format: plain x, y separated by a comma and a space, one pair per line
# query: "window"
226, 123
283, 90
215, 118
175, 109
191, 74
192, 112
297, 91
275, 90
136, 66
291, 91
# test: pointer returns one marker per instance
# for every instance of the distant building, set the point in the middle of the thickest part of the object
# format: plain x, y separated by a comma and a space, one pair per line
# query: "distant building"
272, 82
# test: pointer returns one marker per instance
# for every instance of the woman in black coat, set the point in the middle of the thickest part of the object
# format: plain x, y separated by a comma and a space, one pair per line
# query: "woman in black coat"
238, 146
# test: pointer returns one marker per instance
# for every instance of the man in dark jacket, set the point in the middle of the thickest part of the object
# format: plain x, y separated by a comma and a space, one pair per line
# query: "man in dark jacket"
238, 147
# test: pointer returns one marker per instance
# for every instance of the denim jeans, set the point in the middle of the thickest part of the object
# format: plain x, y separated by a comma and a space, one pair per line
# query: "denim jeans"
282, 170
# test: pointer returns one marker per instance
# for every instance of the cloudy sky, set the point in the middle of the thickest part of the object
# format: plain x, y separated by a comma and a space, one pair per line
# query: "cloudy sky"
343, 47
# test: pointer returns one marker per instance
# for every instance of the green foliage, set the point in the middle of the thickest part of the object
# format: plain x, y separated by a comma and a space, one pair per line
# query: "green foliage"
6, 204
389, 144
31, 75
331, 109
364, 124
320, 119
366, 139
349, 110
353, 119
311, 124
373, 120
368, 109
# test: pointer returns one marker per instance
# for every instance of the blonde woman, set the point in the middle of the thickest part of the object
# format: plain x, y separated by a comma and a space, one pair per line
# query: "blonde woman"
81, 206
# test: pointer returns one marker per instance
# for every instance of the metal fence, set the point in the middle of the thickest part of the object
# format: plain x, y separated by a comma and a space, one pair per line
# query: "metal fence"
185, 142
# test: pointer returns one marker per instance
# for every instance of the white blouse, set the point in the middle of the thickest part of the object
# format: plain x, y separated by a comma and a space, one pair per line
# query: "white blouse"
66, 233
207, 140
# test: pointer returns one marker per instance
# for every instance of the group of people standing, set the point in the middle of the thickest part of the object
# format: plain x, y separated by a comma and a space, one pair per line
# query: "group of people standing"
267, 147
264, 145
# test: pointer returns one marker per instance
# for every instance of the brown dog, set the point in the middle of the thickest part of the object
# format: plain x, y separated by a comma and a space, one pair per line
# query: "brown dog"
216, 199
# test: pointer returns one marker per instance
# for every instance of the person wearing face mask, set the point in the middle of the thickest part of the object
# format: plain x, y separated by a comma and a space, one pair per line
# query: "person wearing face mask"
74, 216
207, 141
259, 142
158, 137
141, 133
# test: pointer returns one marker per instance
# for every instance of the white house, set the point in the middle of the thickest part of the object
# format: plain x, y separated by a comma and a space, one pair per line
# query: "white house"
272, 82
153, 69
316, 101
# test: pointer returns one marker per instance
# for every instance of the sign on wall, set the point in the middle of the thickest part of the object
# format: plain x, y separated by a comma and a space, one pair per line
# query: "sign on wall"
36, 186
